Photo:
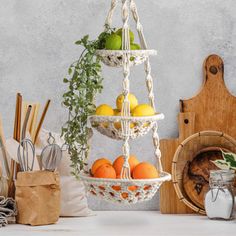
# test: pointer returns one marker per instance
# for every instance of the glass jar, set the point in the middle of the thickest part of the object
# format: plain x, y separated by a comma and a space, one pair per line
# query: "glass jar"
219, 200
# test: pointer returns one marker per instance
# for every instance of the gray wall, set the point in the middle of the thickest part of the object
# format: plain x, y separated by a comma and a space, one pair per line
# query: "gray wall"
36, 48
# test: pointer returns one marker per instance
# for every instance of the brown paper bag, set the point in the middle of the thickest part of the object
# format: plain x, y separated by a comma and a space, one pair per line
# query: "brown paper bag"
38, 197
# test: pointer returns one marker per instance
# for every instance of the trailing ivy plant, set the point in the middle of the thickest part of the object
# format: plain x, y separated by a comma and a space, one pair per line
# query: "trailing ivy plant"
84, 82
228, 162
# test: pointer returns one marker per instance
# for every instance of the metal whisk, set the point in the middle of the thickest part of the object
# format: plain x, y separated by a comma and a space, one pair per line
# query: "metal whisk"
51, 155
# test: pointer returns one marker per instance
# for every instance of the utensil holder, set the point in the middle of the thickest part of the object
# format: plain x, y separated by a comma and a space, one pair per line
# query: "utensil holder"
38, 197
3, 186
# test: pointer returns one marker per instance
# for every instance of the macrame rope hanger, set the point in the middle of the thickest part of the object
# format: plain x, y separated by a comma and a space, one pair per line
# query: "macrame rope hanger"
130, 6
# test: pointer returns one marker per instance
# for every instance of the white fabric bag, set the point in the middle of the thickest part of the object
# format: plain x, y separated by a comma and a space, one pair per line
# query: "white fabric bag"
73, 196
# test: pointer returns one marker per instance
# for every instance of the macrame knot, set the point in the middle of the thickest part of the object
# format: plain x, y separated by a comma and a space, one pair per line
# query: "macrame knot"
158, 153
125, 93
149, 77
139, 27
113, 3
125, 12
155, 135
151, 95
126, 163
126, 74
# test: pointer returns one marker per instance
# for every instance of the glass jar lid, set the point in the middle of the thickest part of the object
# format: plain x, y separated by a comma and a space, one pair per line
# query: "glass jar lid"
222, 175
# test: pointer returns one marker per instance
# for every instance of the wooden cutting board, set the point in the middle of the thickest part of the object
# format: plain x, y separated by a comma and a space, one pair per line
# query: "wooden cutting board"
213, 108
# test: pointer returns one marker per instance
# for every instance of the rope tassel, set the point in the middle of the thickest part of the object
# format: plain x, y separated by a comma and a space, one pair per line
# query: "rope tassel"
125, 172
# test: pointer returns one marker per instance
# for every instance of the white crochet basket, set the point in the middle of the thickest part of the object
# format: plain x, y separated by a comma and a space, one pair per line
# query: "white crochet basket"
124, 190
114, 58
126, 127
111, 126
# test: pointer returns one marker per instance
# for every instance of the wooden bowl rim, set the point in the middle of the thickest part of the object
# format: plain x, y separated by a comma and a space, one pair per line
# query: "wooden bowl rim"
211, 148
177, 187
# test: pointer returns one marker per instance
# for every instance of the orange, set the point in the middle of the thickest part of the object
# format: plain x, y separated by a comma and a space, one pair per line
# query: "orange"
131, 188
105, 171
147, 187
145, 170
116, 187
124, 195
119, 161
102, 187
98, 163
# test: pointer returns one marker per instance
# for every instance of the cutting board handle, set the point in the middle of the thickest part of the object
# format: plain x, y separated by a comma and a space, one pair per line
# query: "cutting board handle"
213, 69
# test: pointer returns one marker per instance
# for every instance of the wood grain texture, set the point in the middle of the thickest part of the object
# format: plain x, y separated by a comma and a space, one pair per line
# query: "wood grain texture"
168, 196
14, 167
197, 172
190, 176
213, 108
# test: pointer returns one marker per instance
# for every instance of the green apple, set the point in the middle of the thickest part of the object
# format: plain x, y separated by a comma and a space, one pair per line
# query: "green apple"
113, 42
135, 46
131, 34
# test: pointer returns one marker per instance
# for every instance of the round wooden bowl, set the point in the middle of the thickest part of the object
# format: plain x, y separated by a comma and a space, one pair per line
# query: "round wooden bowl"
192, 163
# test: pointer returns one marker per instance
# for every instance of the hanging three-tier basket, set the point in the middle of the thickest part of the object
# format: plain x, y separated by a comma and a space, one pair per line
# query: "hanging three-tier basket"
126, 189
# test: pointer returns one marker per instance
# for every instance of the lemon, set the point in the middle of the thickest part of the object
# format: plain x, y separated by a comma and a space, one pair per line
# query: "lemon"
104, 110
131, 34
135, 46
118, 124
116, 112
143, 110
132, 100
113, 42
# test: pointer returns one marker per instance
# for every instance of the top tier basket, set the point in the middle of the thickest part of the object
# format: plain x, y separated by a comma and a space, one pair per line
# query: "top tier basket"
126, 189
114, 58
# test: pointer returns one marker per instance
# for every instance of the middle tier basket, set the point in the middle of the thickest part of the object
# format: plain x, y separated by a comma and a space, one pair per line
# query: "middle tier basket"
126, 127
112, 128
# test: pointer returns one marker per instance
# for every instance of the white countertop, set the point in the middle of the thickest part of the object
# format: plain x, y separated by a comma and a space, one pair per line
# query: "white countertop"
128, 223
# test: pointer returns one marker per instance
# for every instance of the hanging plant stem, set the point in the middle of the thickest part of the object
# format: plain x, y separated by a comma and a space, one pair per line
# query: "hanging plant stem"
84, 83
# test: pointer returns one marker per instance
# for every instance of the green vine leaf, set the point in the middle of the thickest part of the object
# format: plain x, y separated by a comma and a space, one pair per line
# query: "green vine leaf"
228, 162
84, 83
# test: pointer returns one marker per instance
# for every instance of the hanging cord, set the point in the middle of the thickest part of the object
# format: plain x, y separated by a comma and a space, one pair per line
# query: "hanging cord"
108, 21
155, 136
156, 142
139, 27
147, 66
125, 111
149, 82
125, 29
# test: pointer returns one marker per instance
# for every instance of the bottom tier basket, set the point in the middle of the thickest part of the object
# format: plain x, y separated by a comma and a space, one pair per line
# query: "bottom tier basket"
124, 190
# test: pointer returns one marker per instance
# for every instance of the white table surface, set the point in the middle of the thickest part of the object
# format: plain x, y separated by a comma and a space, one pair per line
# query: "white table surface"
130, 223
